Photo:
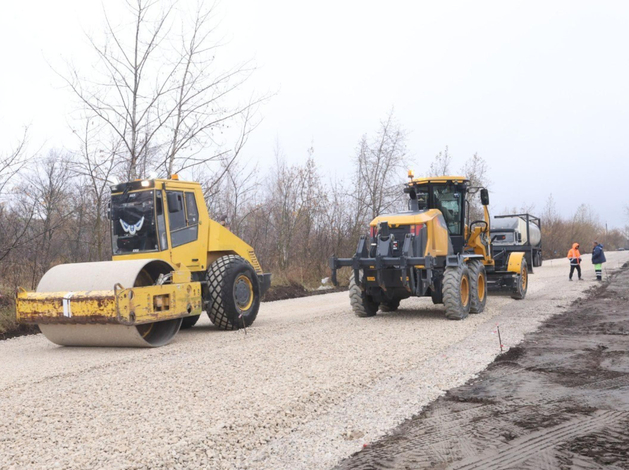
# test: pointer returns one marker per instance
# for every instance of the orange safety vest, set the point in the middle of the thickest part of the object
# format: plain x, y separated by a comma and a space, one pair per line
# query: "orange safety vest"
574, 253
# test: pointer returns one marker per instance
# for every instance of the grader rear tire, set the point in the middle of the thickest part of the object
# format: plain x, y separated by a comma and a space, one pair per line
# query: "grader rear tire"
478, 286
233, 293
457, 292
362, 304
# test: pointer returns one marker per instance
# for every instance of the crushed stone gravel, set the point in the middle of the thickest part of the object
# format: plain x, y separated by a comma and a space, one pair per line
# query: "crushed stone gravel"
309, 384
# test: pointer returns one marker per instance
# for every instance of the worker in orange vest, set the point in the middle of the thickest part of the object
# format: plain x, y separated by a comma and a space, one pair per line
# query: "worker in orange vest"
575, 260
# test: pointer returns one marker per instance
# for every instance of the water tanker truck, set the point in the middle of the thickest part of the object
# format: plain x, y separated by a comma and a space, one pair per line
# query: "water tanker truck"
518, 232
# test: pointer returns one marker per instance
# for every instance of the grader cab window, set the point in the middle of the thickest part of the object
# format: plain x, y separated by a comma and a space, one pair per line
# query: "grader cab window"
183, 217
449, 201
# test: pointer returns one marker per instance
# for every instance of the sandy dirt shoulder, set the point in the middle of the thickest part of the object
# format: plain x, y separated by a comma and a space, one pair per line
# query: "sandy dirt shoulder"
558, 400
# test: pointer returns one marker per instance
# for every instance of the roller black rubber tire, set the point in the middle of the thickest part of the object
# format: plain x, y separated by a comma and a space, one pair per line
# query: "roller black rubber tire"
476, 267
220, 304
362, 304
520, 292
455, 310
189, 322
390, 306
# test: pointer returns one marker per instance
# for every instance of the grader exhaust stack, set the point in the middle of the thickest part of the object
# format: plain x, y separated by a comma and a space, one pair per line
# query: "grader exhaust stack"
171, 262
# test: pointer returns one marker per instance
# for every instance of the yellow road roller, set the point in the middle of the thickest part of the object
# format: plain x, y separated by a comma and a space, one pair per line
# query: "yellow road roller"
170, 262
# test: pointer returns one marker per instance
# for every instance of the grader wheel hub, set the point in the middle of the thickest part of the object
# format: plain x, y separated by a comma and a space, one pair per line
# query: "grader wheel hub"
465, 290
481, 287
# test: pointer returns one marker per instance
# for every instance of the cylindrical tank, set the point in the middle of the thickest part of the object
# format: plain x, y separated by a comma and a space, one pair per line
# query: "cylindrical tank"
518, 225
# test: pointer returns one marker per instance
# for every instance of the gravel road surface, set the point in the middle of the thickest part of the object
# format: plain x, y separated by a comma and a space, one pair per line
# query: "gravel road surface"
308, 385
559, 400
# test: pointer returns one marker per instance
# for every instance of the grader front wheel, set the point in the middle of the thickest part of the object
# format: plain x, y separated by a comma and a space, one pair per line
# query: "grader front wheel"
457, 292
362, 304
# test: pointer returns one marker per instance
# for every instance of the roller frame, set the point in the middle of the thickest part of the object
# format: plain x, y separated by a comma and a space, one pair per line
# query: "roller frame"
120, 306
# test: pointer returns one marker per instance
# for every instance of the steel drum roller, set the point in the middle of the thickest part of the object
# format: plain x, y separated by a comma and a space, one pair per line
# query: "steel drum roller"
103, 276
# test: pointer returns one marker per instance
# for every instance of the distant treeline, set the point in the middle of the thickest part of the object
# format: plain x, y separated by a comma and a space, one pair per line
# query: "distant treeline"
54, 211
583, 227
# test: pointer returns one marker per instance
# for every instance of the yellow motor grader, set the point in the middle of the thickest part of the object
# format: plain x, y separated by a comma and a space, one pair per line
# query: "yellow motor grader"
433, 249
170, 262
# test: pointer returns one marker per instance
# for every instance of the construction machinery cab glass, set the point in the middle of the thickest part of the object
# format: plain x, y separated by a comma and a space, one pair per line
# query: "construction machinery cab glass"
133, 222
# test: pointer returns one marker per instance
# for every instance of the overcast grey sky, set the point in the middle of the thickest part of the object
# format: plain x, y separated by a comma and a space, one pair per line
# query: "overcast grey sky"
540, 89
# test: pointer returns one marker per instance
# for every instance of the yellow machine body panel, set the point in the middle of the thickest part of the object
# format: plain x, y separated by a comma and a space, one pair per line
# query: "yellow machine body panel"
223, 242
438, 179
515, 262
132, 306
438, 242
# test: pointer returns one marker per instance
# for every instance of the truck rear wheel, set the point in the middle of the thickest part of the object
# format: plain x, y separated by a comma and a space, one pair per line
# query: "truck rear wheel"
457, 292
538, 260
478, 286
233, 293
362, 304
522, 282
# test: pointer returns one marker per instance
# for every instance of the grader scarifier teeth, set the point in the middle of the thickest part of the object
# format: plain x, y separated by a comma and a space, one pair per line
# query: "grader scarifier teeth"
111, 303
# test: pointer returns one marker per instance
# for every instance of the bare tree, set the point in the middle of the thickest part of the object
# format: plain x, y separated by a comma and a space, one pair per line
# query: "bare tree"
12, 162
235, 198
379, 168
14, 219
199, 108
47, 190
97, 162
476, 171
159, 93
440, 166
